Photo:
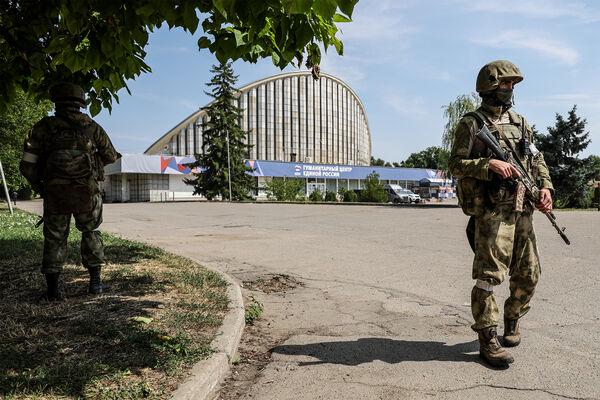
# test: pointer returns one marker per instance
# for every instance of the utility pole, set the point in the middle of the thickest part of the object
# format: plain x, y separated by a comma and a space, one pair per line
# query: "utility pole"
5, 189
228, 166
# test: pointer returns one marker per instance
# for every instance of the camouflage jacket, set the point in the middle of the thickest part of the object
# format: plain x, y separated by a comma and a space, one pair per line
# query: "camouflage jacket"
469, 156
35, 149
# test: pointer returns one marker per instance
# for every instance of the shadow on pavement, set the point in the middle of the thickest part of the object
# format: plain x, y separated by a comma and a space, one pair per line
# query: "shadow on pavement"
391, 351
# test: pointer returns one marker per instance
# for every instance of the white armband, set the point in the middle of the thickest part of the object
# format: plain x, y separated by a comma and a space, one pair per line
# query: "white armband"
30, 157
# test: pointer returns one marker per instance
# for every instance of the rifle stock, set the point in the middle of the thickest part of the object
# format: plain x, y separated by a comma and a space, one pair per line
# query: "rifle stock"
531, 188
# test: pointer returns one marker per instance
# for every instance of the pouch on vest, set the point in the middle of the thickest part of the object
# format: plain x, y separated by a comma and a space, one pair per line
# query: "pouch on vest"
68, 199
471, 192
471, 195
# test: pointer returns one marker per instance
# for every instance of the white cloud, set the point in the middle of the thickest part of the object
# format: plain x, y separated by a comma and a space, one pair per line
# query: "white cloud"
543, 9
414, 106
565, 100
188, 104
376, 20
378, 35
166, 101
535, 41
347, 68
570, 97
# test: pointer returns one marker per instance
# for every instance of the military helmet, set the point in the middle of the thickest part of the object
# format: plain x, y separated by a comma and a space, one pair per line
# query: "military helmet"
492, 73
67, 92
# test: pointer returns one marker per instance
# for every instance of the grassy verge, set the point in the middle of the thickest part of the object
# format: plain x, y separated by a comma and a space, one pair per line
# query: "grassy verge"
135, 342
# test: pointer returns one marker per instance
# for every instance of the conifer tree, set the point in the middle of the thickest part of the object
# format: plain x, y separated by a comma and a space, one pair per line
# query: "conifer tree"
561, 148
212, 179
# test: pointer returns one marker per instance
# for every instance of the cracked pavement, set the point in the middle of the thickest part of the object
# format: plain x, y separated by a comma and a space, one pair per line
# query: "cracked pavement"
383, 312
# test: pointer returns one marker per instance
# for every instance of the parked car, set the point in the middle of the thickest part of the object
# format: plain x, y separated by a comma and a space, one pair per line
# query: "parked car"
397, 194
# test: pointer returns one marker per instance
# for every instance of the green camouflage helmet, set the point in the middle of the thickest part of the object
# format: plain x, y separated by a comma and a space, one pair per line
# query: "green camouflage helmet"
67, 92
492, 73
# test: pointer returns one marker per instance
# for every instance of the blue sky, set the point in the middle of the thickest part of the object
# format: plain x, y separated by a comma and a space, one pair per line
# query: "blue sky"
405, 59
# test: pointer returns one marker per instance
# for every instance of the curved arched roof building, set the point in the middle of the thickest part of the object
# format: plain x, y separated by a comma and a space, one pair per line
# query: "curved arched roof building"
289, 117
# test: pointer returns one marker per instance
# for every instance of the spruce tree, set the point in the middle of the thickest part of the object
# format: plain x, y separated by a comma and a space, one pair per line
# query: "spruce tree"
211, 180
561, 148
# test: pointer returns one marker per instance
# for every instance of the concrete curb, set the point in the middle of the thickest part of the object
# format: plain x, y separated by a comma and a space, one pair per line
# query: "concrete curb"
206, 375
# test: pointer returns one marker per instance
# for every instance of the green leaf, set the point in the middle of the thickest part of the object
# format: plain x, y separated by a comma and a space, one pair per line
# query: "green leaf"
115, 81
140, 36
203, 42
341, 18
325, 8
275, 58
146, 10
190, 19
339, 46
143, 320
95, 107
83, 45
304, 34
297, 6
220, 6
239, 37
347, 6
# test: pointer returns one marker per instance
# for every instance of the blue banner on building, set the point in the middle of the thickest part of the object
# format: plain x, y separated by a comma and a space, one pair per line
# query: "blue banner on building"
330, 171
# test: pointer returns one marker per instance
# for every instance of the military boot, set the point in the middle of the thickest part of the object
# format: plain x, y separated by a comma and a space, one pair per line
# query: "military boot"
96, 285
491, 350
512, 334
53, 292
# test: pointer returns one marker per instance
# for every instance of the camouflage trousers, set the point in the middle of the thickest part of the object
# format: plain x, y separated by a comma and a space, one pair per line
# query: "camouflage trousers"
56, 231
504, 244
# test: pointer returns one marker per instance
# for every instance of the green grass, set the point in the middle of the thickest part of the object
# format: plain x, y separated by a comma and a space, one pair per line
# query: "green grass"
577, 209
94, 346
254, 310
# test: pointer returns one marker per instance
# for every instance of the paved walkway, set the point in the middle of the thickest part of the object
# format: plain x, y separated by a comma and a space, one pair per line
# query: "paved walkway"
384, 311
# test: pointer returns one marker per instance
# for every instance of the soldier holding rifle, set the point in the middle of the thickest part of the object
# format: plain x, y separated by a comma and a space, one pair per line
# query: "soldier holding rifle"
493, 193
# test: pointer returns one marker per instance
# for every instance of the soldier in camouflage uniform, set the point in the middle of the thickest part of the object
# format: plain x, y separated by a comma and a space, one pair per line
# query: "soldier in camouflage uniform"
63, 158
504, 240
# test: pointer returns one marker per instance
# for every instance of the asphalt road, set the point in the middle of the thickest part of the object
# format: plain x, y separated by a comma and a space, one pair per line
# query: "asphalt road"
384, 311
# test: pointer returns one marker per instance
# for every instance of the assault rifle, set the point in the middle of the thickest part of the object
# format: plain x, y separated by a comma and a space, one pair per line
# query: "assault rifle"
531, 189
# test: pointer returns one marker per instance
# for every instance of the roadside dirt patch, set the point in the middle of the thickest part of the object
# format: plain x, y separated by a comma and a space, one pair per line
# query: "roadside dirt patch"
273, 283
254, 353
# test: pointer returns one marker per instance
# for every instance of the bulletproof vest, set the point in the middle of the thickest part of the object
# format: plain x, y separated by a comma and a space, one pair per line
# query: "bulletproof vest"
510, 129
68, 153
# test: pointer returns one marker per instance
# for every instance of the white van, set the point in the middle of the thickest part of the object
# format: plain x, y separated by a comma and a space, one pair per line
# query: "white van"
397, 194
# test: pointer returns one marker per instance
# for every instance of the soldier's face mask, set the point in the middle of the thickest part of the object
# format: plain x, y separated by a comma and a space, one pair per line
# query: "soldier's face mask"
499, 98
504, 97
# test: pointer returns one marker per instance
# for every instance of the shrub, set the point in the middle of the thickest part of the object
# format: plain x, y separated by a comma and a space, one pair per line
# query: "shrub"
284, 189
348, 196
316, 195
373, 190
25, 193
330, 196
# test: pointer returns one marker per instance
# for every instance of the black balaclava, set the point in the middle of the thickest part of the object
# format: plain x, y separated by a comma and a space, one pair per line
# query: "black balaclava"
67, 107
499, 98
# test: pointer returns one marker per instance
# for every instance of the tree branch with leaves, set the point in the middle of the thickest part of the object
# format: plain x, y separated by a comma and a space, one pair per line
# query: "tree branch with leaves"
454, 111
100, 45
